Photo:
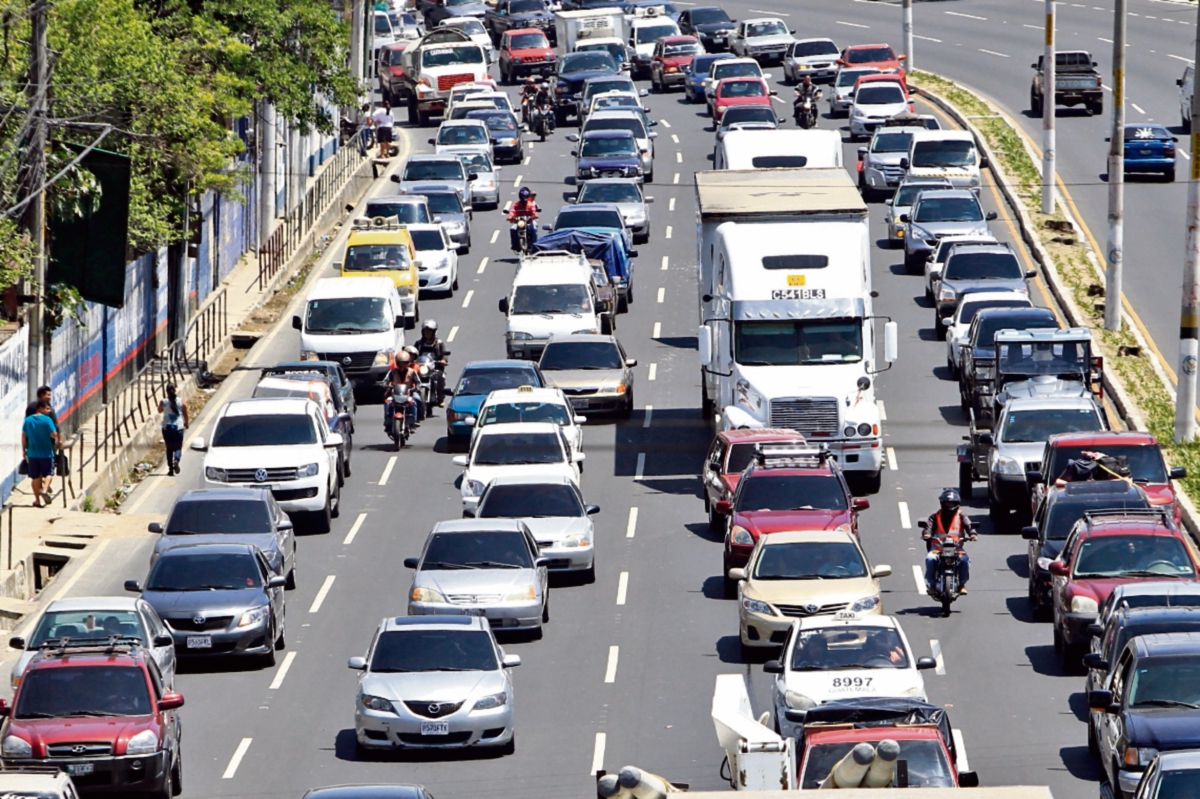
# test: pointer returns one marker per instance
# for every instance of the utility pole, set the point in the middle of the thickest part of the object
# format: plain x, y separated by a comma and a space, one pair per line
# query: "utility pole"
1049, 79
39, 75
1116, 178
268, 157
1189, 312
908, 36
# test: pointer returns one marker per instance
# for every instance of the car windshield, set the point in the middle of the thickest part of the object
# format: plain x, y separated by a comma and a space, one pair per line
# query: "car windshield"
526, 6
444, 202
891, 143
590, 61
347, 315
869, 55
967, 310
990, 324
1144, 132
793, 343
942, 153
480, 382
496, 121
1145, 460
803, 49
948, 209
204, 571
79, 625
600, 146
528, 41
1032, 426
584, 217
749, 113
834, 648
1062, 515
594, 192
790, 492
476, 162
512, 449
982, 266
274, 430
906, 195
1132, 556
617, 51
682, 48
562, 298
530, 501
709, 16
81, 691
451, 56
743, 88
631, 124
463, 134
739, 69
879, 95
1069, 358
810, 560
595, 87
925, 758
209, 516
376, 258
1180, 784
471, 27
702, 63
442, 169
771, 28
651, 33
383, 25
513, 412
408, 213
849, 77
433, 650
427, 240
496, 548
581, 355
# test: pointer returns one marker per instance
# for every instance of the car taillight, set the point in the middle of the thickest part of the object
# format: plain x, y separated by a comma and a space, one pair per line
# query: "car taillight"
1169, 151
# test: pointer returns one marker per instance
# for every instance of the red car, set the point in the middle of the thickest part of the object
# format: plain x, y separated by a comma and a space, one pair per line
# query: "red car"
100, 712
1104, 550
672, 54
390, 72
525, 51
880, 56
890, 77
786, 489
740, 91
728, 456
1146, 465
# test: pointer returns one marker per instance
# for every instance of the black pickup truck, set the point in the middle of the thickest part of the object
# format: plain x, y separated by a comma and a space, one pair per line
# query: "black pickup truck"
514, 14
1076, 82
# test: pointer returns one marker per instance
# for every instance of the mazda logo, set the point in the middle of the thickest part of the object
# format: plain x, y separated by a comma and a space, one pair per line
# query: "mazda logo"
260, 475
435, 708
346, 361
198, 619
78, 749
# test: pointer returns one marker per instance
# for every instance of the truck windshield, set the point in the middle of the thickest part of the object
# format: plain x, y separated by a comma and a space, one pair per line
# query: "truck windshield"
772, 28
528, 41
1032, 426
944, 152
791, 492
982, 266
84, 691
846, 647
1132, 556
926, 759
1145, 460
347, 315
564, 298
376, 257
709, 16
793, 343
452, 56
891, 142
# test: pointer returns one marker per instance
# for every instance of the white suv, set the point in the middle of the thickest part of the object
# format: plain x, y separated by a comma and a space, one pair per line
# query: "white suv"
526, 448
280, 443
552, 295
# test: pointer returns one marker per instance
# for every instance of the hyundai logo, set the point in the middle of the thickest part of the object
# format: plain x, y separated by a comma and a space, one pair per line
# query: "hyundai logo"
434, 708
78, 749
198, 619
260, 475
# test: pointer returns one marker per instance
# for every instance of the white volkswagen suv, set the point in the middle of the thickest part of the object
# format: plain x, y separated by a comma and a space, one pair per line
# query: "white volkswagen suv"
279, 443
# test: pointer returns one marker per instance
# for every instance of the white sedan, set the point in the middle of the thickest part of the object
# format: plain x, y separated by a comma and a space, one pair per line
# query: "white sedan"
959, 323
530, 404
527, 448
437, 258
840, 657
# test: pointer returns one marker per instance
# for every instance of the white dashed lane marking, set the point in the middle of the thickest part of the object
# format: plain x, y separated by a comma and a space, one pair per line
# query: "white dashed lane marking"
610, 673
387, 471
236, 760
319, 599
622, 587
905, 520
631, 526
935, 646
354, 528
283, 670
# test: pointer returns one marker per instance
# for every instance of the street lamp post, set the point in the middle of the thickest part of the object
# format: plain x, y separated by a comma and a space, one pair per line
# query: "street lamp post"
1189, 311
1114, 256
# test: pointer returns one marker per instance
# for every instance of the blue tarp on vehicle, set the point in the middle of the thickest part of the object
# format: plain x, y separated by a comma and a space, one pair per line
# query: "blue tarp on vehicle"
606, 247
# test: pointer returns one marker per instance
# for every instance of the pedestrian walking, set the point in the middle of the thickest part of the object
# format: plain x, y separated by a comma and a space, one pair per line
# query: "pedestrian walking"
39, 438
384, 122
43, 393
175, 421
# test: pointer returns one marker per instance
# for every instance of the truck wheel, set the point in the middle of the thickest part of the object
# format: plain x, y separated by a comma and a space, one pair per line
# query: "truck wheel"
939, 328
412, 110
422, 118
1035, 104
1096, 109
966, 486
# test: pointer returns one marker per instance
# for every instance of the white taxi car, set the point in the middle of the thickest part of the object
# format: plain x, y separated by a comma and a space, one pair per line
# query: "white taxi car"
530, 404
843, 656
527, 448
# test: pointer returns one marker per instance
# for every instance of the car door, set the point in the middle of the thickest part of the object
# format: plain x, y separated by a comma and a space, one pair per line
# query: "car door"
164, 656
332, 454
274, 595
714, 488
1108, 730
1057, 584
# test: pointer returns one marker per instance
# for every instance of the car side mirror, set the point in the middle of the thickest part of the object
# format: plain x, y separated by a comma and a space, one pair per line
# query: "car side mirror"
16, 642
774, 93
580, 420
411, 563
882, 570
1057, 568
468, 513
4, 708
631, 362
1099, 699
736, 574
334, 440
905, 218
591, 510
1035, 476
947, 321
132, 587
983, 162
575, 153
860, 503
447, 392
652, 135
888, 201
578, 457
199, 444
296, 323
511, 661
773, 667
433, 141
1029, 533
277, 582
164, 639
460, 460
503, 305
1177, 472
572, 137
904, 163
935, 274
155, 527
967, 779
1031, 274
542, 563
1093, 661
357, 663
170, 700
990, 215
395, 178
724, 507
925, 663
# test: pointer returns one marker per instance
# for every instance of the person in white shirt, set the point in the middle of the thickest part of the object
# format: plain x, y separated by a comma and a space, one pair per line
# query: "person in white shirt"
384, 122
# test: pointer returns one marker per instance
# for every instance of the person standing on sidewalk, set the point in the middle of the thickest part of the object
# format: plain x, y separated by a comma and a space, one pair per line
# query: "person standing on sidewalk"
43, 393
175, 421
39, 437
384, 122
365, 123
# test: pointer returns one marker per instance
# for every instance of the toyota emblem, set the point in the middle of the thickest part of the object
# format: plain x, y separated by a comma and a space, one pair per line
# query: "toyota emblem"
78, 749
813, 608
346, 361
260, 475
434, 708
198, 620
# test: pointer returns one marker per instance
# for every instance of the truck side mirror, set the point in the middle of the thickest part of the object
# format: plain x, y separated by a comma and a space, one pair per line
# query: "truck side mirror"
773, 667
1177, 472
704, 339
296, 323
1100, 700
904, 163
983, 162
891, 342
905, 218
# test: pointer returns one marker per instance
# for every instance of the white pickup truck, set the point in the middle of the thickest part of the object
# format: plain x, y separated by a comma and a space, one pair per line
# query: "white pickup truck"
435, 64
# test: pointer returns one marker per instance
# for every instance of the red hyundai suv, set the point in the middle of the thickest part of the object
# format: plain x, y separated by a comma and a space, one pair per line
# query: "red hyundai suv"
728, 456
672, 54
525, 51
100, 712
786, 488
1106, 549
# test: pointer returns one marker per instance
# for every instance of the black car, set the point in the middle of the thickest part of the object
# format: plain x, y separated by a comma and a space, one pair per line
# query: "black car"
573, 69
505, 133
331, 371
976, 379
1062, 507
516, 14
710, 24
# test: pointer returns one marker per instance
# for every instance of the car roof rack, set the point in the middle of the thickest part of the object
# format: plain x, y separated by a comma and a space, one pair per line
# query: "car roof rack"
790, 456
112, 645
1090, 516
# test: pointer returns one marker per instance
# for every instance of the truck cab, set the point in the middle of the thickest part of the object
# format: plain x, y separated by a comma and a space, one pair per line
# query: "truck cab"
435, 64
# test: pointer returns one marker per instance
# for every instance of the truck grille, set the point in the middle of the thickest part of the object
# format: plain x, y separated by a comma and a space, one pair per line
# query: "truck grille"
892, 173
448, 82
806, 414
79, 750
350, 361
260, 475
804, 611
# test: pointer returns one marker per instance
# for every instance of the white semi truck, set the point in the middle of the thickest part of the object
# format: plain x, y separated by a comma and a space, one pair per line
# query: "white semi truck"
787, 325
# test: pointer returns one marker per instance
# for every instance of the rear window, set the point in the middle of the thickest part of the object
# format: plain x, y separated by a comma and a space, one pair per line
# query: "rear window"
476, 382
743, 88
426, 240
891, 142
81, 625
986, 332
530, 500
204, 571
408, 213
1145, 460
1143, 132
778, 161
1062, 515
983, 266
869, 55
879, 95
206, 517
802, 49
445, 203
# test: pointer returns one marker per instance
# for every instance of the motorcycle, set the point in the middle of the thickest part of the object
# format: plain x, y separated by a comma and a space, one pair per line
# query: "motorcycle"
528, 106
946, 588
396, 413
427, 375
805, 111
524, 236
542, 116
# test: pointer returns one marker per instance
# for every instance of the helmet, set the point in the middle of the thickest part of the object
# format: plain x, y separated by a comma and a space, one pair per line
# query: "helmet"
546, 85
950, 500
524, 193
429, 325
411, 351
403, 356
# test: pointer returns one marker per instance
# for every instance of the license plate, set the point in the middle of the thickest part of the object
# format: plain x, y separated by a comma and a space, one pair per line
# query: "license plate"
80, 769
435, 728
474, 611
199, 642
796, 280
1145, 152
798, 294
578, 403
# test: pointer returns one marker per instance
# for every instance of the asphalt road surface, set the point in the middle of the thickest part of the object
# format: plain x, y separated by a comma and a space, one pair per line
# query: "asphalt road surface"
657, 597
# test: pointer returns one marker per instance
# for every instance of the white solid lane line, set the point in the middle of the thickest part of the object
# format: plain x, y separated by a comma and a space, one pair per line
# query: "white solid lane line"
631, 527
671, 205
882, 410
662, 293
236, 760
935, 646
960, 14
652, 373
495, 235
891, 458
622, 587
657, 330
598, 754
850, 24
453, 333
482, 266
919, 579
667, 233
927, 38
905, 519
319, 599
649, 415
610, 673
387, 470
1106, 41
283, 669
1179, 58
665, 262
641, 466
467, 299
349, 539
772, 13
961, 748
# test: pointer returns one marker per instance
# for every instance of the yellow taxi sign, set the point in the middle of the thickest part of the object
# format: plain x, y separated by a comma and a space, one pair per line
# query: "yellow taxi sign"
796, 280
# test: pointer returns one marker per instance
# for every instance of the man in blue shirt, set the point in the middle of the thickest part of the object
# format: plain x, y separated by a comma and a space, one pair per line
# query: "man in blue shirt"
39, 437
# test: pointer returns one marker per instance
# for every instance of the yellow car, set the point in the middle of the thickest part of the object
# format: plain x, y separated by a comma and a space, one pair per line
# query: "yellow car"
801, 574
378, 248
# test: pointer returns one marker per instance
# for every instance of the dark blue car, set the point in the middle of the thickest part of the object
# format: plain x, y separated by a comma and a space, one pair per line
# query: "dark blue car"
1150, 148
478, 379
607, 154
697, 71
572, 70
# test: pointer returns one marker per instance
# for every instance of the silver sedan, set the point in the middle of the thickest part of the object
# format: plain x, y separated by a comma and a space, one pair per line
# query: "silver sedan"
626, 194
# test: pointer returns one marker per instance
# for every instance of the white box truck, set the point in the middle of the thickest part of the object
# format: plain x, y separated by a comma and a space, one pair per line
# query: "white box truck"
787, 326
572, 27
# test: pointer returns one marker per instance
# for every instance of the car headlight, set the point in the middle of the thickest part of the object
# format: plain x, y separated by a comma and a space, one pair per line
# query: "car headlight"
509, 141
253, 617
16, 747
214, 474
309, 355
419, 594
577, 540
384, 357
740, 535
1007, 465
472, 488
485, 183
493, 701
757, 606
897, 221
973, 182
1139, 756
524, 595
1083, 604
144, 743
945, 294
798, 701
377, 703
521, 335
866, 603
308, 470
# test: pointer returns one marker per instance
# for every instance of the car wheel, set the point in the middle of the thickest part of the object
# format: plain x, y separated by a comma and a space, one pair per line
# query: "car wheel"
939, 328
1169, 175
1093, 745
177, 773
346, 460
268, 659
281, 639
322, 519
168, 787
546, 609
730, 588
627, 410
412, 110
291, 578
510, 747
716, 521
335, 508
966, 486
1058, 642
1106, 790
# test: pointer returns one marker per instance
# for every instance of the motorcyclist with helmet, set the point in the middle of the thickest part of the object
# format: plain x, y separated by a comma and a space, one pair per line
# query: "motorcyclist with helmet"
948, 525
526, 208
430, 344
529, 94
545, 99
806, 90
403, 373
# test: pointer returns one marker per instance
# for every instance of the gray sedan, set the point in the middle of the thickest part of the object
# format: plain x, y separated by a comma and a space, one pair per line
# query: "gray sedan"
902, 201
454, 217
626, 194
424, 172
949, 212
485, 188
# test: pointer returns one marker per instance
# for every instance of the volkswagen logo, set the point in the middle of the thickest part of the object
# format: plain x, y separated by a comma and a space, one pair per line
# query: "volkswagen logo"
434, 708
346, 361
812, 608
78, 749
198, 620
260, 475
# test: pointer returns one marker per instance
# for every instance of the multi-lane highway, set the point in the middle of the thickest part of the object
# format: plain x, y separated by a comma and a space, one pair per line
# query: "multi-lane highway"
625, 672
